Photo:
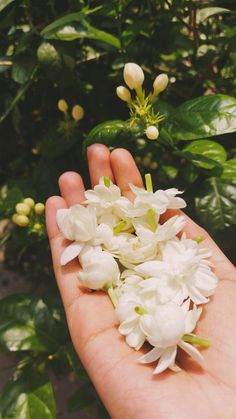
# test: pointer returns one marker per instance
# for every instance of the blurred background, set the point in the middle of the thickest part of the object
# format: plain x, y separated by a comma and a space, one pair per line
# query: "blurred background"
60, 64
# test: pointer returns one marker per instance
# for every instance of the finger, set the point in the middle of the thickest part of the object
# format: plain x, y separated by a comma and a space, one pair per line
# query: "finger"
99, 163
72, 188
65, 275
125, 171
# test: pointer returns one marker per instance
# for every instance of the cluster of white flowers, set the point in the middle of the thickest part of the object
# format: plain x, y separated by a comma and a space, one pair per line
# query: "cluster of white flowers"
156, 276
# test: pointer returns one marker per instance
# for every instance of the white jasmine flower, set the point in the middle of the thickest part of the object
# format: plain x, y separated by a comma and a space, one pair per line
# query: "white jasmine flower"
133, 252
133, 75
107, 199
158, 201
163, 232
77, 223
130, 308
183, 270
165, 329
99, 270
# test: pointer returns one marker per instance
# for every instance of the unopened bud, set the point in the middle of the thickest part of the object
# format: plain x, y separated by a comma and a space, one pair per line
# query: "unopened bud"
39, 208
152, 132
133, 75
160, 83
14, 218
62, 105
21, 220
22, 209
146, 161
37, 227
30, 202
153, 165
123, 93
77, 112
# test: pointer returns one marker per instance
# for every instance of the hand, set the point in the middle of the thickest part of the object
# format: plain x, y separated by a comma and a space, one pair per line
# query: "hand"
127, 388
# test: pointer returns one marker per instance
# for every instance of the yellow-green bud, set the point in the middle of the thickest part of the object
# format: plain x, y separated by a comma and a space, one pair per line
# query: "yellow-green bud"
39, 208
22, 209
30, 202
133, 75
77, 112
37, 227
152, 132
153, 165
123, 93
62, 105
146, 161
21, 220
160, 83
14, 218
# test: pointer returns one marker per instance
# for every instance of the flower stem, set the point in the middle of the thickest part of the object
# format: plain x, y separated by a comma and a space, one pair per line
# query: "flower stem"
119, 227
113, 297
152, 220
197, 340
107, 181
140, 310
148, 182
198, 239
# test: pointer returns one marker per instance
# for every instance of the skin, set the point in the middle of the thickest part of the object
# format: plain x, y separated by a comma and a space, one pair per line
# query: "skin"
128, 389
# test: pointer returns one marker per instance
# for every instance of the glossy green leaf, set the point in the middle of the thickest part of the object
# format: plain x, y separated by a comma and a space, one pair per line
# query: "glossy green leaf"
28, 323
28, 396
229, 169
206, 12
5, 3
113, 134
204, 117
209, 149
74, 26
216, 203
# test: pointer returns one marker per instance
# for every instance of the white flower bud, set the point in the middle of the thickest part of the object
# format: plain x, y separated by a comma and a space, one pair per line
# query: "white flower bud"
152, 132
133, 75
100, 271
22, 209
123, 93
160, 83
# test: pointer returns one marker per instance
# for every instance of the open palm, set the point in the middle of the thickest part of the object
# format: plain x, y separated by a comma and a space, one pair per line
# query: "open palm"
127, 388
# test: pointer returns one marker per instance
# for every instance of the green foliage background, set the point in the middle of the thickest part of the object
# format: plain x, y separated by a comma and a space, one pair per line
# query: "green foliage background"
76, 50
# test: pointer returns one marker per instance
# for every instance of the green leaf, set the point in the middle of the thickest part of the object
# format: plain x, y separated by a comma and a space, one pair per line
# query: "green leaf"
203, 14
62, 21
209, 149
74, 26
113, 134
20, 93
203, 117
29, 323
216, 203
28, 395
229, 169
5, 3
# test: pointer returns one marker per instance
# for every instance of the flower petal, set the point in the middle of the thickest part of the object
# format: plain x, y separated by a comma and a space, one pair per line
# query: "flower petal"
167, 359
192, 351
71, 252
151, 356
